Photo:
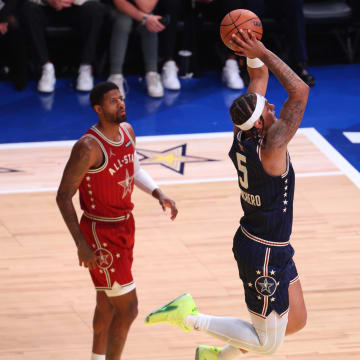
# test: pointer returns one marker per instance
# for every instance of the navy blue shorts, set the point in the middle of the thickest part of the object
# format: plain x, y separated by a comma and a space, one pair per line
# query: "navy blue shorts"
266, 270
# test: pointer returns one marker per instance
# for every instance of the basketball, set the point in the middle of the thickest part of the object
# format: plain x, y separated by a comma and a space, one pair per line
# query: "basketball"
236, 20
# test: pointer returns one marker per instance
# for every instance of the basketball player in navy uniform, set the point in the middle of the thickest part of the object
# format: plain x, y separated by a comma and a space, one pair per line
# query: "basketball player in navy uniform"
261, 245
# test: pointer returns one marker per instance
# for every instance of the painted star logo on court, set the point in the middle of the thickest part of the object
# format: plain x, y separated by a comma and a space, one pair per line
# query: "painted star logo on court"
126, 184
173, 158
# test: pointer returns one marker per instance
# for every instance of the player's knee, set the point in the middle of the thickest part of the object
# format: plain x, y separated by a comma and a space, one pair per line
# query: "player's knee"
301, 323
271, 346
297, 323
128, 313
133, 311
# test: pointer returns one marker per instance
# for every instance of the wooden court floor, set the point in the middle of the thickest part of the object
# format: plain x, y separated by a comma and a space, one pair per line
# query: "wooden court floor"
47, 300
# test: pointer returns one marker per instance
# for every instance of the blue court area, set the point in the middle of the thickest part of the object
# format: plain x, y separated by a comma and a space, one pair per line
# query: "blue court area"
201, 106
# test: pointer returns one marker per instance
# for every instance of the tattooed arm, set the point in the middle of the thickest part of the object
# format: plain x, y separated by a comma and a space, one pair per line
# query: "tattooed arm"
292, 112
85, 154
274, 151
281, 131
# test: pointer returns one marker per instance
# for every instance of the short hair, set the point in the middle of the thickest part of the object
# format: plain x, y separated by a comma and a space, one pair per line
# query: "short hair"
99, 90
242, 108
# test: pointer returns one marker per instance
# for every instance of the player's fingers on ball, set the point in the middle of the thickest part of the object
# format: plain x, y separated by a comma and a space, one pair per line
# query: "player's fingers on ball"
250, 34
238, 40
243, 34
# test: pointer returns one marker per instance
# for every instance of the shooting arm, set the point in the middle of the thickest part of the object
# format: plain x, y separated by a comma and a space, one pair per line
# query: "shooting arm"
293, 109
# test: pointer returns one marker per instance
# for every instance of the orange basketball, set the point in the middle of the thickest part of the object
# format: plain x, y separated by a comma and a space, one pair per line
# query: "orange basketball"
236, 20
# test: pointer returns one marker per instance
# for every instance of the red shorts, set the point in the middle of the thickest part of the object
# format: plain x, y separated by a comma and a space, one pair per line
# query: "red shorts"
113, 243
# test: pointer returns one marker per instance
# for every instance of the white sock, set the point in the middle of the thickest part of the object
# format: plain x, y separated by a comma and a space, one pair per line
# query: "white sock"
97, 356
229, 352
198, 322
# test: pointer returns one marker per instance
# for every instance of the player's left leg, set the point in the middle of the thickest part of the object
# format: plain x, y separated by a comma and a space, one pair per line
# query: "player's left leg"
297, 309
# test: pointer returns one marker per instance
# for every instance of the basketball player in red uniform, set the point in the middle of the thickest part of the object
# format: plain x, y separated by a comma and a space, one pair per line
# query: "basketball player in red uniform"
104, 167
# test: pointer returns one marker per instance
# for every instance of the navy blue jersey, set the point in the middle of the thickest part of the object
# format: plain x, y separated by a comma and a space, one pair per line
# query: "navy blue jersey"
267, 201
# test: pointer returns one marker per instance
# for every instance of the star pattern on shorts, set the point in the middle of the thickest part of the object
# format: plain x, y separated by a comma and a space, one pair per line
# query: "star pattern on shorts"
272, 272
117, 255
250, 284
272, 299
103, 259
266, 286
258, 272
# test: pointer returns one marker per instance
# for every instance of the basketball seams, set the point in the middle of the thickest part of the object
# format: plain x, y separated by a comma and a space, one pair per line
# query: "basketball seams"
234, 22
231, 20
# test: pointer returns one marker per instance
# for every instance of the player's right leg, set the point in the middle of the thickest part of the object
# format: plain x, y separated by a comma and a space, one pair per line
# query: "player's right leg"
297, 309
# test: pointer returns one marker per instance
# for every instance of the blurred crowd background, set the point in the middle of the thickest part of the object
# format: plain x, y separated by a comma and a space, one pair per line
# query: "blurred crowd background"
163, 40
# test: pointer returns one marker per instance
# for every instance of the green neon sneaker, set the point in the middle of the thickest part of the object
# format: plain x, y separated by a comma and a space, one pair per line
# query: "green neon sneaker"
204, 352
174, 312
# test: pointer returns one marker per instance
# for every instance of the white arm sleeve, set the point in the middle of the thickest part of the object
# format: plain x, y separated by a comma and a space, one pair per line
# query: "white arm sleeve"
142, 179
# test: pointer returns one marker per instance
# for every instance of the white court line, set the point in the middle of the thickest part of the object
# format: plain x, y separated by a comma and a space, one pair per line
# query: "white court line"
333, 155
352, 136
314, 136
177, 182
139, 139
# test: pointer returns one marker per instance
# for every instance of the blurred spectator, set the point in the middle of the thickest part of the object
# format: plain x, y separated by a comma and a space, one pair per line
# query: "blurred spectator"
290, 13
172, 11
86, 16
147, 25
10, 29
215, 10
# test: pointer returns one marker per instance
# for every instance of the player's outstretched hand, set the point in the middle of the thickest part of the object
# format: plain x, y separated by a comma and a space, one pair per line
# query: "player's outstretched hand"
166, 202
247, 44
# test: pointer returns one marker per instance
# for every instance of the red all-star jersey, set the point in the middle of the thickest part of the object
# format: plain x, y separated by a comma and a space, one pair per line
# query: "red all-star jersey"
105, 192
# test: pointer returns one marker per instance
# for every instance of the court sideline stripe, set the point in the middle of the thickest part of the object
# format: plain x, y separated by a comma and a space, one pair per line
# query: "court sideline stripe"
179, 182
332, 154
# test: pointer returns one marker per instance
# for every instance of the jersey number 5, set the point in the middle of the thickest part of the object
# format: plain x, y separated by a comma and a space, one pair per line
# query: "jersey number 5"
241, 161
